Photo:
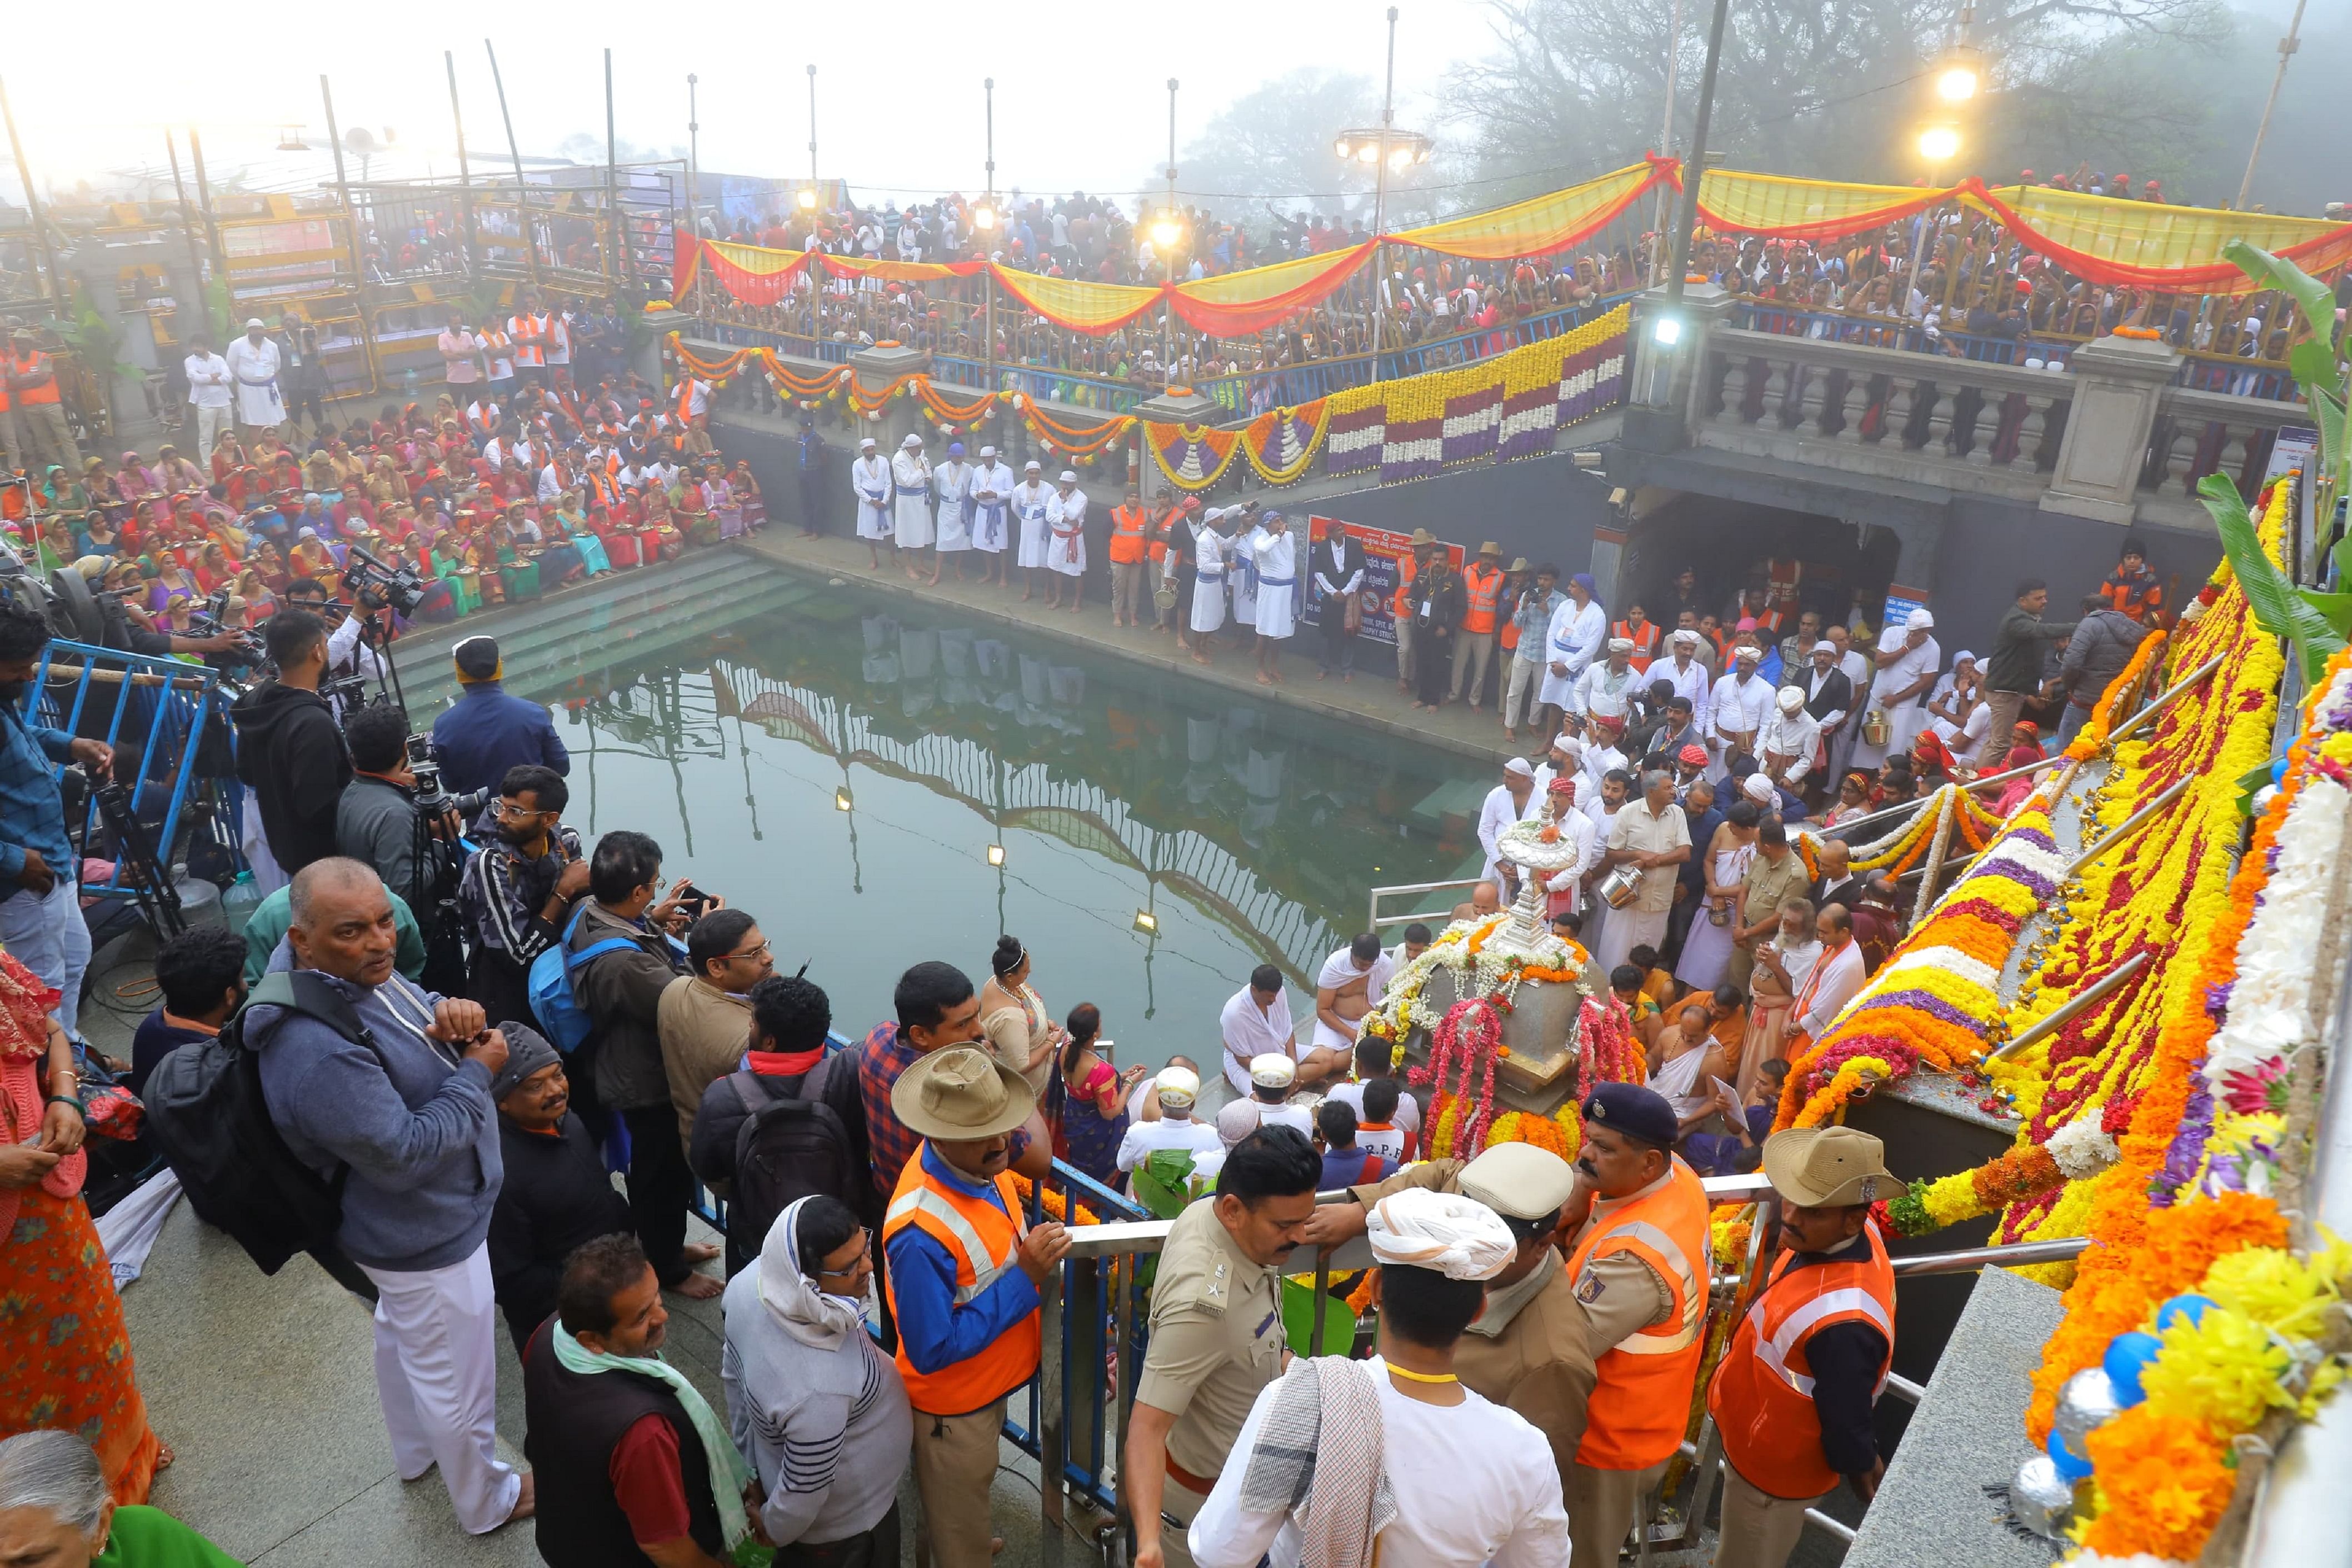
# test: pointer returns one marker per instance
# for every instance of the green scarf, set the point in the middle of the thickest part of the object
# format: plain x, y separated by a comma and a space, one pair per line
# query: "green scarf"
728, 1473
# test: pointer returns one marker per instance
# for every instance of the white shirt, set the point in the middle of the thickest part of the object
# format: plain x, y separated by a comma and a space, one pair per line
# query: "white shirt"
208, 381
1475, 1483
1790, 735
1963, 738
1249, 1033
1908, 667
1813, 680
1577, 829
1351, 1095
1576, 635
1145, 1138
1612, 685
1739, 707
1500, 812
1835, 978
1692, 682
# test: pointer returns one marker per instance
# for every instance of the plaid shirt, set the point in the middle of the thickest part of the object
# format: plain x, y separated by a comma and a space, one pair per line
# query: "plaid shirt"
882, 1056
32, 814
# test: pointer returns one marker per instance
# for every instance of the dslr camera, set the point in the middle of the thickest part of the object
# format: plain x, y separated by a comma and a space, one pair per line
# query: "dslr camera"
433, 798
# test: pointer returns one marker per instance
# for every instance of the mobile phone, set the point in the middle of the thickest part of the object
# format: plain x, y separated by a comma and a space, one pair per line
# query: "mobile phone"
693, 900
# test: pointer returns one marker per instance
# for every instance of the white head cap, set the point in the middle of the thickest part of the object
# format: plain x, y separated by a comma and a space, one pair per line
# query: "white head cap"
1032, 463
911, 440
1685, 635
865, 441
1176, 1086
1273, 1070
1459, 1237
1069, 477
1827, 646
1759, 789
988, 451
1920, 621
1520, 766
1790, 700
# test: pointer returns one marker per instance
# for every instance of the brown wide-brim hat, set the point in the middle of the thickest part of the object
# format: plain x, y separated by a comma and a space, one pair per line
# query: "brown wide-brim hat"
1828, 1167
959, 1095
1423, 539
1492, 547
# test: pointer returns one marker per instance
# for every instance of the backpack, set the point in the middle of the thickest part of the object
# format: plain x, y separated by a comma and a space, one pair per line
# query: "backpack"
793, 1147
207, 1115
552, 1002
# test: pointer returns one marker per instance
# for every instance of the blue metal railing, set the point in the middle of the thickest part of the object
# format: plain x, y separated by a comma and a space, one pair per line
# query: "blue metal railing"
157, 704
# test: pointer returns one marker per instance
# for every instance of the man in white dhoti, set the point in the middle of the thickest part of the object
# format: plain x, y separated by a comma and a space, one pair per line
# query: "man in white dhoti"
1739, 703
1790, 738
952, 480
911, 492
1576, 630
1033, 501
1276, 551
253, 361
1351, 981
1513, 800
1066, 520
1650, 835
1241, 575
992, 512
1257, 1023
869, 481
1608, 685
1208, 582
1908, 665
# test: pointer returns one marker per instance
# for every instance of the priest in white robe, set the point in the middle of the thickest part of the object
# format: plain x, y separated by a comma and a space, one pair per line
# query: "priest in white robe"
952, 481
992, 512
1208, 608
253, 363
1738, 704
1257, 1022
1032, 501
1274, 550
1065, 555
1513, 800
910, 491
869, 481
1578, 629
1908, 664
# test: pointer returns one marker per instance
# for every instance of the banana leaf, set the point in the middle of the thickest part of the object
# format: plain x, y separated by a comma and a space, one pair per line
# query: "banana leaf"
2281, 609
1161, 1182
1298, 1321
2314, 361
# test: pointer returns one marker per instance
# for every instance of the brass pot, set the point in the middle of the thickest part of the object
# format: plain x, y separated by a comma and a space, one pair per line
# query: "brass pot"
1875, 728
1621, 887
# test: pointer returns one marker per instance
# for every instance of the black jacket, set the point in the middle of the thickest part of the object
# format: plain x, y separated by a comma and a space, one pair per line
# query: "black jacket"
556, 1195
1837, 695
1446, 602
290, 753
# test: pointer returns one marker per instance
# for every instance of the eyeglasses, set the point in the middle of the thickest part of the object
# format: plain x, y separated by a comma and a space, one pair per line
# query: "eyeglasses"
760, 952
864, 1238
500, 808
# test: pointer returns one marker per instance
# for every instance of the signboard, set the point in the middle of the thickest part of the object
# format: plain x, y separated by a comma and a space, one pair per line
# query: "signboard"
1382, 552
1897, 611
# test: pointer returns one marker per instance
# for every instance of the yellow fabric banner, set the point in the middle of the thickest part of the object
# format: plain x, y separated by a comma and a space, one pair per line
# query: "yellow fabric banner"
1543, 224
1081, 306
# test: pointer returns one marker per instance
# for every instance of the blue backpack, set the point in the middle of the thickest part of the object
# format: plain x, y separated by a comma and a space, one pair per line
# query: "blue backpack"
559, 1013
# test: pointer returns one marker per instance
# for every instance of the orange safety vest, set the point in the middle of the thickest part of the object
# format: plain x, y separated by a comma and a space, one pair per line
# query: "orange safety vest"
1485, 592
1634, 1418
1763, 1396
44, 377
1645, 642
1401, 601
527, 332
1127, 535
981, 1237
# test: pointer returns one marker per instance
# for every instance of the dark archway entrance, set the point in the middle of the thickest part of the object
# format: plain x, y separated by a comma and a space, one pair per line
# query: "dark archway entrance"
1729, 545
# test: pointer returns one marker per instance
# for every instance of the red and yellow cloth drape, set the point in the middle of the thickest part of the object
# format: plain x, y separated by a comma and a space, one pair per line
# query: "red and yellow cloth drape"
2105, 239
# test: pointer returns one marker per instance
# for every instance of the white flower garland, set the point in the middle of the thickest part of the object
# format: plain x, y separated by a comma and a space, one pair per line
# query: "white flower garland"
2080, 1150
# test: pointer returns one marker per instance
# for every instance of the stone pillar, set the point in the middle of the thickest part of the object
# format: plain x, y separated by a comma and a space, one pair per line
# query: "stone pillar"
2119, 383
876, 368
1172, 408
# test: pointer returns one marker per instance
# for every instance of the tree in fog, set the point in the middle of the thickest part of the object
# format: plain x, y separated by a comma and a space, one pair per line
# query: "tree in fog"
1272, 149
1821, 88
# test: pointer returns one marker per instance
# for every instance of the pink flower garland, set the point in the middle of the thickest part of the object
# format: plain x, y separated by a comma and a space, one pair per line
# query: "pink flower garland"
1606, 1052
1469, 1037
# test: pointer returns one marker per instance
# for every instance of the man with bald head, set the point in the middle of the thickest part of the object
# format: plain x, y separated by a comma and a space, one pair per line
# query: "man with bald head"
406, 1113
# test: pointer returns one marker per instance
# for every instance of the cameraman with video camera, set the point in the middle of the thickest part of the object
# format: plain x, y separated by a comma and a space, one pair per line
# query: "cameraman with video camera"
289, 751
376, 820
351, 661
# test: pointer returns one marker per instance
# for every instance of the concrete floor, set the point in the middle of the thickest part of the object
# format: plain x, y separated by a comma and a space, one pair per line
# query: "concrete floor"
265, 1388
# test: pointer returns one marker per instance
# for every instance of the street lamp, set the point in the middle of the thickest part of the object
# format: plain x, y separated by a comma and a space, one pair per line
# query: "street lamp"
1166, 230
1385, 151
1960, 77
1940, 143
808, 197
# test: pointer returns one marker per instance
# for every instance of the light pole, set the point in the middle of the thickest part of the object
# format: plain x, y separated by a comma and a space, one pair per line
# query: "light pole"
1164, 235
693, 156
983, 222
1388, 149
2287, 46
808, 197
1667, 331
1666, 136
1940, 143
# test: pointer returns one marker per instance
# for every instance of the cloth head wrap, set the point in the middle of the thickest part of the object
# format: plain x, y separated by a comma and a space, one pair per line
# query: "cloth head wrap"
810, 1315
1459, 1237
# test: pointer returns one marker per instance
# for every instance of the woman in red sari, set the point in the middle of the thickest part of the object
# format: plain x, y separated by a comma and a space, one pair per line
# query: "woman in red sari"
65, 1355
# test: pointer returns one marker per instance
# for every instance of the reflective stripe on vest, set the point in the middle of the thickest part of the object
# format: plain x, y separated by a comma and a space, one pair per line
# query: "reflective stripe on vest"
1636, 1414
1127, 535
984, 1241
1484, 595
1763, 1396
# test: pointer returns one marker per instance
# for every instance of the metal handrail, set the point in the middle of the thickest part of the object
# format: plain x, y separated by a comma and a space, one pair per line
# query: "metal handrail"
1378, 919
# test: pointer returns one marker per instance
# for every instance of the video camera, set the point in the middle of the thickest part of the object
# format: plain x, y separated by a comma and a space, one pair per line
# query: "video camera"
432, 799
375, 585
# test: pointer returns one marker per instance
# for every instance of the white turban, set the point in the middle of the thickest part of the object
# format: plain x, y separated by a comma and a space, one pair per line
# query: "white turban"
1459, 1237
1759, 789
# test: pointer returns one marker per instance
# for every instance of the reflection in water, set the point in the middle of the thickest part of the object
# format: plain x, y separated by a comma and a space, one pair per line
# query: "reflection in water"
846, 783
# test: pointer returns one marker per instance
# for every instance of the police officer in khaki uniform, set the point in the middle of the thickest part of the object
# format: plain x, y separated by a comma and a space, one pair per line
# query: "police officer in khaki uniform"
1528, 1349
1216, 1332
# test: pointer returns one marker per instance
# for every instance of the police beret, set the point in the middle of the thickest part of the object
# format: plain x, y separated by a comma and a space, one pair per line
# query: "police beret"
1634, 1111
